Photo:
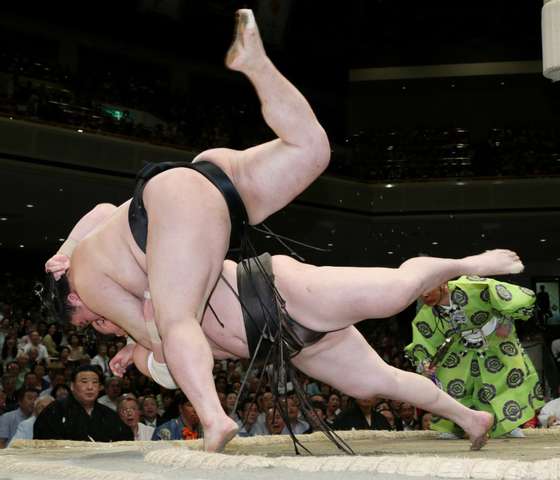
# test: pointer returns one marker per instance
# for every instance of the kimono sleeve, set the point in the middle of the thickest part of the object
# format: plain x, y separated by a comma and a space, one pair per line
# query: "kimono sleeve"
511, 302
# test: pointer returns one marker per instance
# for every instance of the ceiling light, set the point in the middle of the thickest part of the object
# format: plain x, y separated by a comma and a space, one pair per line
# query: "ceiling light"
389, 185
61, 239
30, 205
21, 245
390, 252
542, 240
80, 130
435, 243
3, 219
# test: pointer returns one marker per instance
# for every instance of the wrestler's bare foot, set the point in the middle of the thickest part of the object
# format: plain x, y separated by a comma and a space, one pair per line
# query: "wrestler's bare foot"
493, 262
479, 425
246, 52
219, 434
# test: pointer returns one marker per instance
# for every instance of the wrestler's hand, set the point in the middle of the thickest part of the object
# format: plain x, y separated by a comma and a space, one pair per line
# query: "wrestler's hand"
122, 360
57, 265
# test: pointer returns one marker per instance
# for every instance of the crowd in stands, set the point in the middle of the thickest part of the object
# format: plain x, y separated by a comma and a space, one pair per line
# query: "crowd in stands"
106, 102
56, 383
448, 153
105, 97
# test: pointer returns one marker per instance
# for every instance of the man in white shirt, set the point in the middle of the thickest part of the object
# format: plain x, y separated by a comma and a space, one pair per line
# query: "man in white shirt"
297, 425
24, 430
112, 393
35, 342
102, 360
10, 421
129, 411
248, 425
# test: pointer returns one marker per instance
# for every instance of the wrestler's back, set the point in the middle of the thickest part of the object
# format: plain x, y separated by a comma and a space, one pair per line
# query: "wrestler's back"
111, 251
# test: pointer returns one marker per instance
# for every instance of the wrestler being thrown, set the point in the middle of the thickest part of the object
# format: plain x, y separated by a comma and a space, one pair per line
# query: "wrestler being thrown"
185, 245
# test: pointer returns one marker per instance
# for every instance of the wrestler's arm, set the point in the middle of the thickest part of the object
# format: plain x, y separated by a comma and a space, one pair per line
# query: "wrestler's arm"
123, 309
131, 353
60, 262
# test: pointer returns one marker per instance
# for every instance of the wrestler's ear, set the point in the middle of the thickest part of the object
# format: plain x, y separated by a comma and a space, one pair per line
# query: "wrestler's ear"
74, 299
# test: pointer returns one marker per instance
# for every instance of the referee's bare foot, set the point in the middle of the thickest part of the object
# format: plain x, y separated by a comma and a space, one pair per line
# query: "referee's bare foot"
246, 51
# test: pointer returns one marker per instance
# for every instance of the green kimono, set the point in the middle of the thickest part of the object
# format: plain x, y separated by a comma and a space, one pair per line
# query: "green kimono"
475, 366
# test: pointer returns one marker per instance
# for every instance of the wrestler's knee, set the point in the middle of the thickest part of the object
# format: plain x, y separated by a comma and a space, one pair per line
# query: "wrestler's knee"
321, 146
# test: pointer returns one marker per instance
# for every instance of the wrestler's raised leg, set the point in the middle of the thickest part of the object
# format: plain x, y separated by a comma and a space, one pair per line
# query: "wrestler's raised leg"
270, 175
189, 224
327, 298
345, 361
188, 238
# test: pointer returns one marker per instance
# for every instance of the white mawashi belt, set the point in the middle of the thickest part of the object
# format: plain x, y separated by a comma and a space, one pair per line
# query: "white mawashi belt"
479, 334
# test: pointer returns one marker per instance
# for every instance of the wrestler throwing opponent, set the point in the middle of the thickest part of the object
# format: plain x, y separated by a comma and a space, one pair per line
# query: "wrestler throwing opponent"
186, 244
323, 303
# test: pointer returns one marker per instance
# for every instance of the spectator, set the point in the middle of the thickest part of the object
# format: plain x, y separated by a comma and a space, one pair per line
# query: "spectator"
149, 410
129, 411
80, 417
231, 399
333, 408
24, 430
10, 421
23, 363
102, 360
9, 351
42, 378
248, 425
35, 342
316, 416
76, 349
296, 424
9, 389
184, 427
407, 415
426, 420
361, 416
56, 377
274, 423
2, 403
49, 340
31, 382
113, 391
390, 418
265, 400
60, 392
549, 415
64, 356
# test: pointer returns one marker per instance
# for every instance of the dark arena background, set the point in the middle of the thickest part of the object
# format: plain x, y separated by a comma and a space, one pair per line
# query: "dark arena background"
444, 132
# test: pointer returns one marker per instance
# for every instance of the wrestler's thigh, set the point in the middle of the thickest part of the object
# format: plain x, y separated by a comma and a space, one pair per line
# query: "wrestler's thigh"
270, 175
188, 237
329, 298
347, 362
